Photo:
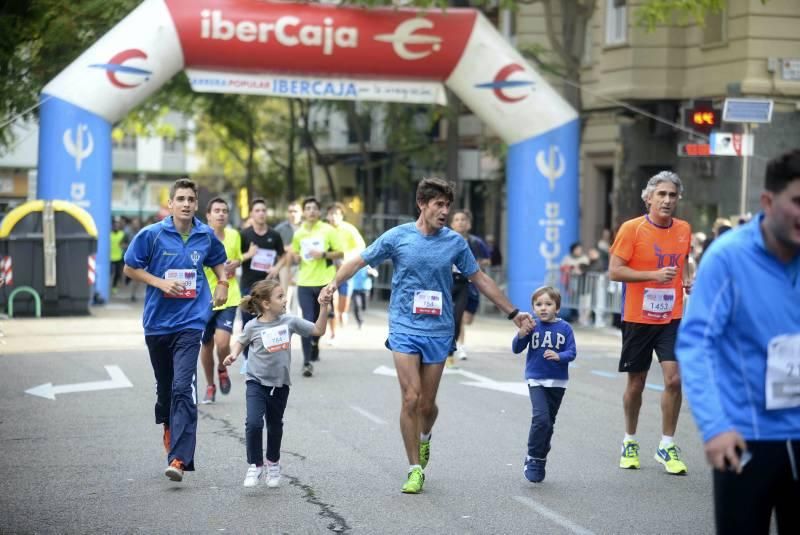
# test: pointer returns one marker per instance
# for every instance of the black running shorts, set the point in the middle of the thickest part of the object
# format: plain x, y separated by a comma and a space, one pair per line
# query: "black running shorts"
639, 340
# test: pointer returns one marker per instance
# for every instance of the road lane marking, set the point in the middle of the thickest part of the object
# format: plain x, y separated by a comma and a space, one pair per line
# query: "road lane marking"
564, 522
368, 415
604, 374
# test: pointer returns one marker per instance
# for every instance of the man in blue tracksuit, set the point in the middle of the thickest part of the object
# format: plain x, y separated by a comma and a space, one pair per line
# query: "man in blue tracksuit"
739, 352
169, 257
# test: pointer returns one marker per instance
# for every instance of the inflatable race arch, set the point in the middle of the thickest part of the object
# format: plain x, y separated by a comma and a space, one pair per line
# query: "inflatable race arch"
319, 51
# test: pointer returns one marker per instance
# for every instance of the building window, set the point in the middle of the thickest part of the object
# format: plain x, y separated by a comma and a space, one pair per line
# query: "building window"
128, 142
171, 144
616, 22
714, 31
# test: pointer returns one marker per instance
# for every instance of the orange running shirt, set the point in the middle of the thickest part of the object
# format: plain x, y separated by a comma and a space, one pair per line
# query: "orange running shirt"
647, 247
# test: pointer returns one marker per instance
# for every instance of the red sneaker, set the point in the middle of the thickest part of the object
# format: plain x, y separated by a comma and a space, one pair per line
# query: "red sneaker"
175, 470
224, 381
211, 394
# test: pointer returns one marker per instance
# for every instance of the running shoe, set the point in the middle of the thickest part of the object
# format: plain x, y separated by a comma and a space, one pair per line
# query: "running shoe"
450, 362
534, 469
253, 476
224, 381
424, 452
165, 439
211, 395
670, 457
461, 353
273, 475
630, 454
308, 370
414, 483
175, 470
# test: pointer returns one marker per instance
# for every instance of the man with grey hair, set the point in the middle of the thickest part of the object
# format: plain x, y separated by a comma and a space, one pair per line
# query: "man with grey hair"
649, 256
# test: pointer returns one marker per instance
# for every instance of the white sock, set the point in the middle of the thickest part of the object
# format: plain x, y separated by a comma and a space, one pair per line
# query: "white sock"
424, 437
629, 437
412, 466
666, 441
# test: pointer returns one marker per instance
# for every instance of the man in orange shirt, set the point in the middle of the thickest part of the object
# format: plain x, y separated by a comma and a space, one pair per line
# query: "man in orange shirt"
649, 255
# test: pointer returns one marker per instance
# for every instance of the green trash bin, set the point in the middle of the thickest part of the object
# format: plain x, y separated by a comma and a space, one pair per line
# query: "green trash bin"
50, 248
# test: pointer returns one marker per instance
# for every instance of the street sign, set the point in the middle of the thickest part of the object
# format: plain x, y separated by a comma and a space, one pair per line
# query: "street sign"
747, 110
729, 144
790, 69
694, 149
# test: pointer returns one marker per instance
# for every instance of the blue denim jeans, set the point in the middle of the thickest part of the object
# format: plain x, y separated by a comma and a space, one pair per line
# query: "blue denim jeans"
545, 403
174, 360
264, 403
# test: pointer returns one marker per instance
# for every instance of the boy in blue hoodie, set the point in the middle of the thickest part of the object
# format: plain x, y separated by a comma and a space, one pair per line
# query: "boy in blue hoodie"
551, 347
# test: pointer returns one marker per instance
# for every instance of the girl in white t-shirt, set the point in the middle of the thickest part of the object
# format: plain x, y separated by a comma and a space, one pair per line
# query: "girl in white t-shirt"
267, 374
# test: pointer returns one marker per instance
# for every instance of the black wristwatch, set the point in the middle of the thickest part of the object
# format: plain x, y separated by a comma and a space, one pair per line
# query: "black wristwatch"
513, 314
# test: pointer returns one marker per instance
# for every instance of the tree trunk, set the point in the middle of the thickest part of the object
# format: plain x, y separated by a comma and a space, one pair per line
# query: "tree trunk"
451, 144
290, 163
366, 165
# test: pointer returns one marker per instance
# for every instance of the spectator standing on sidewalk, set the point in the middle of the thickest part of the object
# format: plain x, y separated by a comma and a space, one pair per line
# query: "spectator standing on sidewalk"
169, 257
739, 351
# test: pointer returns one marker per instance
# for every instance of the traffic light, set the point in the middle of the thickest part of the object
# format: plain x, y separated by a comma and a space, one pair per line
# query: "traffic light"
702, 117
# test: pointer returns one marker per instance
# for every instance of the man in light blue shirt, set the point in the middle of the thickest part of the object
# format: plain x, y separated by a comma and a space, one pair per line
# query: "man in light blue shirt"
739, 352
421, 310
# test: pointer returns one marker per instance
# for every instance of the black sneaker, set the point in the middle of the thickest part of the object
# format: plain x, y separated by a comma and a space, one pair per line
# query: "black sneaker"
308, 370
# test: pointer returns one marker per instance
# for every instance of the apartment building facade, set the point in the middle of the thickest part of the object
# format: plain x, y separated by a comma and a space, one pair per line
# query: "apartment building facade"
636, 85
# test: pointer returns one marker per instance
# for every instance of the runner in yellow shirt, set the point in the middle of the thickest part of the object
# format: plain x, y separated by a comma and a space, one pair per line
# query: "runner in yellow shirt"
315, 246
352, 244
220, 324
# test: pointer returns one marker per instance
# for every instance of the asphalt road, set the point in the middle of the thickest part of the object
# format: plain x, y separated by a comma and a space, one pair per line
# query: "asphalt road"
92, 462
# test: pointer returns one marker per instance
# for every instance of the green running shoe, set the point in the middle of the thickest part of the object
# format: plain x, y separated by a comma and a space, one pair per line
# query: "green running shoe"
415, 480
630, 455
424, 452
670, 458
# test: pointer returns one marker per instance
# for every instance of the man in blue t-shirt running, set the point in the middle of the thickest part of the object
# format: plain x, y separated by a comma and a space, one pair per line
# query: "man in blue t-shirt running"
421, 310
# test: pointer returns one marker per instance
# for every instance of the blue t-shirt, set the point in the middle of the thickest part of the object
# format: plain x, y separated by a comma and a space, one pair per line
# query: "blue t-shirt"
158, 248
361, 280
421, 263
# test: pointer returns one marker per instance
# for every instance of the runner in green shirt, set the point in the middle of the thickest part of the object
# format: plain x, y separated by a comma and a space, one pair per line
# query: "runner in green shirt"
315, 246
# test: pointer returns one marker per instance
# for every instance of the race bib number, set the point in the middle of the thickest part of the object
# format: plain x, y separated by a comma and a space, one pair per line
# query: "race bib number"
276, 338
782, 388
187, 278
428, 302
263, 260
311, 245
658, 303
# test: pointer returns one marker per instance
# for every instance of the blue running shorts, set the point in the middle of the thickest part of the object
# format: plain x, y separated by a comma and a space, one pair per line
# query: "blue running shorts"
432, 349
220, 319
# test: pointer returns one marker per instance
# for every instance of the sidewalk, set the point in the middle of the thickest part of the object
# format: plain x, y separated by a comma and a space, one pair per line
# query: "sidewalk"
118, 325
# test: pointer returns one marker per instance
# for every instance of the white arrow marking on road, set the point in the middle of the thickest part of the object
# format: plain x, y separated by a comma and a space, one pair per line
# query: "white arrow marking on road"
48, 391
477, 380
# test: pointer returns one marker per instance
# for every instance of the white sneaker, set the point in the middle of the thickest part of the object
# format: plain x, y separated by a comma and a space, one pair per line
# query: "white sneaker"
461, 353
254, 475
273, 475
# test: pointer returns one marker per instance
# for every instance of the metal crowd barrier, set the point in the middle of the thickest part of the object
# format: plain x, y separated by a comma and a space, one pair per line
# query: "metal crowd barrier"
593, 295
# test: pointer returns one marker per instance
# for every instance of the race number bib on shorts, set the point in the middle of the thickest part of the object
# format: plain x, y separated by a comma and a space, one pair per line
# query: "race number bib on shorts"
428, 302
263, 260
782, 388
658, 303
187, 278
311, 245
276, 338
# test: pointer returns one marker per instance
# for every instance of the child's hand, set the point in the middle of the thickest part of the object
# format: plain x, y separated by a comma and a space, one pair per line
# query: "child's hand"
325, 298
549, 354
524, 331
230, 359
